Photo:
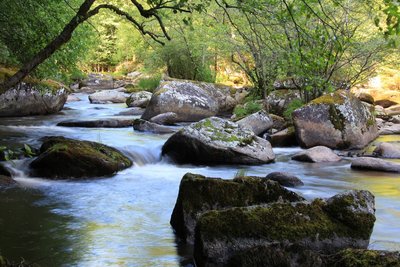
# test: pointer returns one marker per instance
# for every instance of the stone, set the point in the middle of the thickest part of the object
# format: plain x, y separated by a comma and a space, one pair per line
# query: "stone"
365, 97
108, 97
146, 126
198, 194
317, 154
139, 99
288, 229
102, 123
279, 122
258, 122
337, 120
385, 103
374, 164
191, 101
217, 141
73, 98
284, 138
387, 150
64, 158
131, 112
285, 179
97, 81
390, 129
28, 99
169, 118
393, 110
279, 100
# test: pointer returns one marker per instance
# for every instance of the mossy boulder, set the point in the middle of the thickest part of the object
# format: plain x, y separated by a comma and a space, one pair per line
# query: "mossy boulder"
63, 158
198, 194
190, 100
217, 141
338, 120
27, 99
322, 226
364, 258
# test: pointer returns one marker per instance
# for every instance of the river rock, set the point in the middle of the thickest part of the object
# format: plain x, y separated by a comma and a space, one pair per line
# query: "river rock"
27, 99
131, 112
345, 221
198, 194
98, 82
373, 164
191, 101
284, 138
317, 154
279, 122
365, 97
5, 177
390, 129
139, 99
337, 120
387, 150
73, 98
217, 141
146, 126
393, 110
385, 103
108, 97
63, 158
258, 122
279, 100
169, 118
285, 179
102, 123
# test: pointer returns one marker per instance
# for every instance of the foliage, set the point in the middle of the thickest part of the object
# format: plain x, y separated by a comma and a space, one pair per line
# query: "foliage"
295, 104
248, 108
149, 84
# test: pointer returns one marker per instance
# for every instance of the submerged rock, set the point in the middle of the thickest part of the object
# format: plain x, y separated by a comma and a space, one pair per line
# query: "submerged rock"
198, 194
27, 99
217, 141
104, 123
191, 101
258, 122
317, 154
374, 164
139, 99
387, 150
285, 179
63, 158
131, 112
108, 97
146, 126
344, 221
338, 120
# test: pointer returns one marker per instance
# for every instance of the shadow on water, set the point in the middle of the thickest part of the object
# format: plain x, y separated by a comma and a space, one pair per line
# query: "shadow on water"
30, 231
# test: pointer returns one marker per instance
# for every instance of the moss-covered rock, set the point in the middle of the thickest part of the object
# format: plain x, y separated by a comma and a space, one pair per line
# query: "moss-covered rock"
336, 120
63, 158
198, 194
217, 141
364, 258
323, 226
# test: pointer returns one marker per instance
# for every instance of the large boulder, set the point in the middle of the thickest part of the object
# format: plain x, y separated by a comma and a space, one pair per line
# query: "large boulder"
373, 164
337, 120
217, 141
99, 81
317, 154
258, 122
63, 158
139, 99
387, 150
198, 194
28, 99
191, 101
344, 221
108, 97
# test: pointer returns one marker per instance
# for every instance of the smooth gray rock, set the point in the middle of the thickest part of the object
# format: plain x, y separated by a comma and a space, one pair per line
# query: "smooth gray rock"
387, 150
258, 122
108, 97
146, 126
374, 164
390, 129
169, 118
285, 179
131, 112
97, 81
317, 154
139, 99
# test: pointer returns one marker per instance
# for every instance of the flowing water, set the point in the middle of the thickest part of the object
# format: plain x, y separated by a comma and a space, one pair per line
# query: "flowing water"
124, 220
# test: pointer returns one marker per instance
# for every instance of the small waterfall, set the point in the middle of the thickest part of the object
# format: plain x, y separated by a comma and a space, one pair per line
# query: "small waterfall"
143, 155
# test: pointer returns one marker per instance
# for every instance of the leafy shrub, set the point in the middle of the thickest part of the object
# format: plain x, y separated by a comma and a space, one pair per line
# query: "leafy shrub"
249, 108
149, 84
295, 104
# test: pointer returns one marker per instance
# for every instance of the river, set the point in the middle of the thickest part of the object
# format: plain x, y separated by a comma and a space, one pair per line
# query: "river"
124, 220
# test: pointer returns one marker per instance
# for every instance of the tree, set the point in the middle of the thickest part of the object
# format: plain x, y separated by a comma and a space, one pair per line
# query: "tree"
150, 11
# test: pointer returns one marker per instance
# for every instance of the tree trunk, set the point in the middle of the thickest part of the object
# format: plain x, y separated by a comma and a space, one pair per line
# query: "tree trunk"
45, 53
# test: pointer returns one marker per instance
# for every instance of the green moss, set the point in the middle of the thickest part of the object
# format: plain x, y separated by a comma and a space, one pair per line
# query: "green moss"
336, 118
276, 222
337, 98
362, 258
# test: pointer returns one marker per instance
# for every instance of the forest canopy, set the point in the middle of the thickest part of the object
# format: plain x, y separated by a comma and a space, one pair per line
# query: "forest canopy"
319, 45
